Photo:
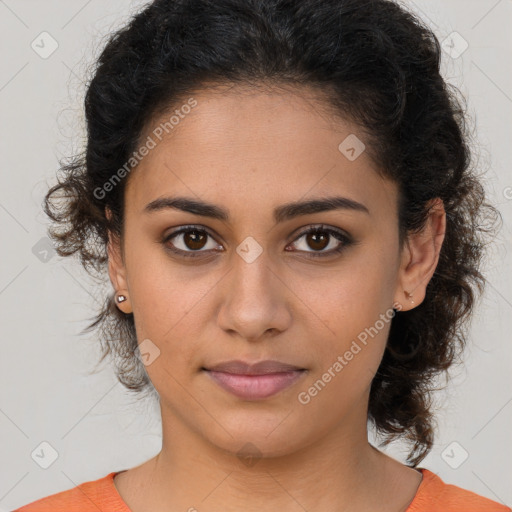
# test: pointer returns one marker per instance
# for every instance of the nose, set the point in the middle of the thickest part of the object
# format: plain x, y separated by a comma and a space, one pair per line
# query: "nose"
255, 300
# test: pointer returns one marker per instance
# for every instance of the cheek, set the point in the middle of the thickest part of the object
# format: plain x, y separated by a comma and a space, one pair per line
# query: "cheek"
172, 308
351, 297
160, 292
351, 310
345, 362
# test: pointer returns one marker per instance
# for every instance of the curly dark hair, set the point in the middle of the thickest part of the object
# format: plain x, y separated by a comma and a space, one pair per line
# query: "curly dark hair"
374, 63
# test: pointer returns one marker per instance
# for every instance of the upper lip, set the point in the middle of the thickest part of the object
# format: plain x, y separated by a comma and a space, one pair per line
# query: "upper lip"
259, 368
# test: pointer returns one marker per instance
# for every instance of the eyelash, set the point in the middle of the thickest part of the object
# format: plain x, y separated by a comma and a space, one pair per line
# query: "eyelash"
344, 239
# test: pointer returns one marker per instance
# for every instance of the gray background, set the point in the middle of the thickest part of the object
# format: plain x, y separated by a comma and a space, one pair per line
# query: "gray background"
94, 425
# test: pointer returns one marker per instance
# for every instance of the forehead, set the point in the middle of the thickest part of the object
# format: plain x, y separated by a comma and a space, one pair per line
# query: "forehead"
241, 145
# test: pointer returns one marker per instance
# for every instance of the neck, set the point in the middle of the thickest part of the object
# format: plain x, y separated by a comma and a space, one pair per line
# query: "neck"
340, 468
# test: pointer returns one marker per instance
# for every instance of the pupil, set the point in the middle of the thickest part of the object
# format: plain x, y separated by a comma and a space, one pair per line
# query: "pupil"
315, 237
196, 235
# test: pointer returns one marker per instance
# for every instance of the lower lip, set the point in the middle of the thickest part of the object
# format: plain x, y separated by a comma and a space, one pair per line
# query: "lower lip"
255, 387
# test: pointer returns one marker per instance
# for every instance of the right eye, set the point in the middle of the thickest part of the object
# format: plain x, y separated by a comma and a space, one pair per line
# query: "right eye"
191, 239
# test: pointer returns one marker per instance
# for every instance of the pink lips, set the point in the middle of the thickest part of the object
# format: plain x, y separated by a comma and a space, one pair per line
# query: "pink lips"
257, 381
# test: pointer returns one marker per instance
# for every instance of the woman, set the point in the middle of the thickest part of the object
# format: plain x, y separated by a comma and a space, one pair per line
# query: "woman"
283, 194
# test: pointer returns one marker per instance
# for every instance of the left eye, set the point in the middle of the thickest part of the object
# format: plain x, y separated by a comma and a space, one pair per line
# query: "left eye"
318, 238
193, 239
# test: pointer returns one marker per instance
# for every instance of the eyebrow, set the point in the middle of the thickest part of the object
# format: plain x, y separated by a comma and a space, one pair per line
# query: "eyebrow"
282, 213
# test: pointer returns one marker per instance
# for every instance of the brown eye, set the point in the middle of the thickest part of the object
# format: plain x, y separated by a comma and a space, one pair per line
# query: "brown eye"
318, 238
189, 240
317, 241
194, 239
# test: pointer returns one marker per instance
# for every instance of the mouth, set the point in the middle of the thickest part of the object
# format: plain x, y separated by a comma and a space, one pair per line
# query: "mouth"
254, 381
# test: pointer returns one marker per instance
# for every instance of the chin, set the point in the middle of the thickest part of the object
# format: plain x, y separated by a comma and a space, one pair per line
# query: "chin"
258, 434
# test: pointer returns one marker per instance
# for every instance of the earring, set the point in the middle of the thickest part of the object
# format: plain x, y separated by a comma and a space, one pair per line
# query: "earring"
409, 296
120, 298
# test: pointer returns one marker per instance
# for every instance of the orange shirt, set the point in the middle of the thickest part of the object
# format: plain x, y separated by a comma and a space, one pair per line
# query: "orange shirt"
101, 495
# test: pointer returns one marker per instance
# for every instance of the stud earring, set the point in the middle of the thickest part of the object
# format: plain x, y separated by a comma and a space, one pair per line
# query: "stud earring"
409, 296
120, 298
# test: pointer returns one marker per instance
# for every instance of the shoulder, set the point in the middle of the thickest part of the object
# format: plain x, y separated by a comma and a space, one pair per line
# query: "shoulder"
94, 495
434, 495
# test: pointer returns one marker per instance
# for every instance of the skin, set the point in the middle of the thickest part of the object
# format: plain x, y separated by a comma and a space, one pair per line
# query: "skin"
250, 152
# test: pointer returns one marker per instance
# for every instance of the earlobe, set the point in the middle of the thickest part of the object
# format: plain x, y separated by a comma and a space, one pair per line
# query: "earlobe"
420, 257
117, 273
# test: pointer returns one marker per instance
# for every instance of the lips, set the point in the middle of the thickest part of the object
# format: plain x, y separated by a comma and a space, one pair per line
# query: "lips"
254, 381
261, 368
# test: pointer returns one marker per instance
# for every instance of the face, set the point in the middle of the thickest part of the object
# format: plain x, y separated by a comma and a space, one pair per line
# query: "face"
254, 285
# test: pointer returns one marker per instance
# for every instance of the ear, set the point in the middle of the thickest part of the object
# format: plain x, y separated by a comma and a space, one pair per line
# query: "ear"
117, 269
420, 256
